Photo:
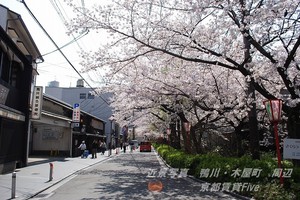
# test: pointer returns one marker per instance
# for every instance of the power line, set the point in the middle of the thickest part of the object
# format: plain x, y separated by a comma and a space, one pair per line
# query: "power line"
67, 44
63, 19
23, 1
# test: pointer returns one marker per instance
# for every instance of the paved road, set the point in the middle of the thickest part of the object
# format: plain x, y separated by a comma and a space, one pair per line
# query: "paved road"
127, 176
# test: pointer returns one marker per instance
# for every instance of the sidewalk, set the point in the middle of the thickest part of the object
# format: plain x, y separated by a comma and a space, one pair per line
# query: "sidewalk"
34, 178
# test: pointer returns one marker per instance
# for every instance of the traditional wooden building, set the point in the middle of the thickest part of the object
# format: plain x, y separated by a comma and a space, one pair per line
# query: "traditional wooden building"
54, 132
18, 58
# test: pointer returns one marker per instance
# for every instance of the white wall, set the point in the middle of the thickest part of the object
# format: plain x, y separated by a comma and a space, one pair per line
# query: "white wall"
47, 137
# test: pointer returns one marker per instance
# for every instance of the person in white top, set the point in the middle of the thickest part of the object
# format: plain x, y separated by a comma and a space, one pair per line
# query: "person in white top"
82, 147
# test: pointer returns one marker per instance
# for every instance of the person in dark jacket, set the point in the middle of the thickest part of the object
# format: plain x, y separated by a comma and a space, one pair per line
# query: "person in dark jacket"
94, 149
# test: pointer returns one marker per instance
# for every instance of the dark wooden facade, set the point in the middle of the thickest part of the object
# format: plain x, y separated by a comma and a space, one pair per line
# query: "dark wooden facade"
17, 55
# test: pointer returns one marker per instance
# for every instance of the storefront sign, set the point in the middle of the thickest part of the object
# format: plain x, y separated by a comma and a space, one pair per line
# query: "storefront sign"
76, 113
52, 134
37, 102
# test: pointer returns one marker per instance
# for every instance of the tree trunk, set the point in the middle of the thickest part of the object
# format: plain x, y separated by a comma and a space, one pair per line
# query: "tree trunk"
197, 137
178, 133
253, 127
175, 135
186, 139
195, 141
253, 124
238, 143
174, 138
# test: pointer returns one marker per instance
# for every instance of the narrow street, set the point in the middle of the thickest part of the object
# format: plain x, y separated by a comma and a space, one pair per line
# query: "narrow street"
127, 176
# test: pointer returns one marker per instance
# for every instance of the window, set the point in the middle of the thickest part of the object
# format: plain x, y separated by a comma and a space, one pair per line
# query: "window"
82, 96
91, 96
5, 65
10, 70
16, 73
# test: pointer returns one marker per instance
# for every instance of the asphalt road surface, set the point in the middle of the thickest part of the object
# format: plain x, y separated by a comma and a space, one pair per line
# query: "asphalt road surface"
130, 176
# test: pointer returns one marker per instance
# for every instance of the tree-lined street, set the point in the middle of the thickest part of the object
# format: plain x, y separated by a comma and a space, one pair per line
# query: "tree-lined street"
213, 85
126, 176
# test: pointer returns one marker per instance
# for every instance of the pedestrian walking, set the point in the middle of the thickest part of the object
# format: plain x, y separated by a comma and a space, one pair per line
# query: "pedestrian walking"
125, 134
82, 148
94, 149
131, 146
102, 147
124, 147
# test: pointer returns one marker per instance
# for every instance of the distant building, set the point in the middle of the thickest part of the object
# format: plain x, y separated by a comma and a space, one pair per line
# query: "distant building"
54, 84
18, 58
94, 105
54, 133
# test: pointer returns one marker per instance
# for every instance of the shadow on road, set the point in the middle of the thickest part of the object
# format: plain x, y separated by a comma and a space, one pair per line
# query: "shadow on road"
41, 160
126, 177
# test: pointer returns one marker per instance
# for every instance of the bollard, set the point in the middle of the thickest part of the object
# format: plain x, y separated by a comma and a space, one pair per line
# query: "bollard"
51, 172
13, 185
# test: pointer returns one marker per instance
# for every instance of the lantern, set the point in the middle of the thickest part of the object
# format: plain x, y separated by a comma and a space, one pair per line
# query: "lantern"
274, 108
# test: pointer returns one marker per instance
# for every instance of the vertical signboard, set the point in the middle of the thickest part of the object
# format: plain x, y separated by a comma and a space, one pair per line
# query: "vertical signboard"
76, 115
37, 102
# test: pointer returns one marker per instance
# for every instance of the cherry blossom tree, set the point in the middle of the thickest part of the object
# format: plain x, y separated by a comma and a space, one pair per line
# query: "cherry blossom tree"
256, 39
198, 95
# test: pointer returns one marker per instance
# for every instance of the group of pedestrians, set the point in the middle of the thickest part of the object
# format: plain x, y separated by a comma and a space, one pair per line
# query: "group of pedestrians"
96, 145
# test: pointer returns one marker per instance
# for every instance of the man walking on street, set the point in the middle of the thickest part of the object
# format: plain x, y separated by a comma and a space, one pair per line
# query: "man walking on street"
94, 149
125, 134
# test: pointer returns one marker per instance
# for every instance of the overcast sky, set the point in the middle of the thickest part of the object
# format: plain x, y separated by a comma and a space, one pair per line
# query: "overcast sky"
51, 14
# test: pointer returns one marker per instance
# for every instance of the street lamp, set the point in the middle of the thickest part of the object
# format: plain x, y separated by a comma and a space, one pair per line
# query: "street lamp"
111, 119
187, 127
274, 108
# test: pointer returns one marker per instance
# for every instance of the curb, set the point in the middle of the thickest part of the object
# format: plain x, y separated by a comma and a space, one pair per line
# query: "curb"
67, 176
